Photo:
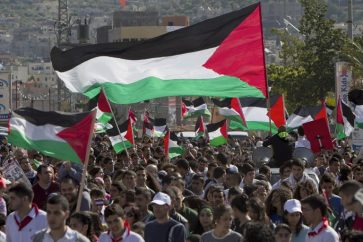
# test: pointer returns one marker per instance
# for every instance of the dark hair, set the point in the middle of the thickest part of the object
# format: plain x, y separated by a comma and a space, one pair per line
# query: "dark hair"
265, 169
316, 202
97, 193
234, 191
143, 191
94, 170
118, 185
327, 178
333, 159
350, 187
247, 167
114, 209
297, 162
308, 185
282, 226
68, 179
299, 224
40, 168
344, 173
85, 219
220, 210
128, 173
283, 195
300, 131
194, 238
284, 166
352, 236
222, 157
258, 232
218, 172
58, 199
240, 203
198, 177
22, 190
258, 207
182, 163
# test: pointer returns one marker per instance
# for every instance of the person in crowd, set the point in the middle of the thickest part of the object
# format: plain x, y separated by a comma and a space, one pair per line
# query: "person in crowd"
193, 238
45, 185
283, 233
327, 185
275, 204
256, 211
27, 218
142, 200
70, 169
293, 217
139, 228
334, 166
222, 232
172, 192
302, 141
129, 180
119, 230
30, 173
98, 203
315, 213
183, 167
197, 185
305, 189
82, 223
240, 212
205, 221
258, 232
248, 173
132, 214
297, 174
69, 188
284, 171
353, 236
57, 214
116, 188
108, 166
347, 192
282, 146
163, 227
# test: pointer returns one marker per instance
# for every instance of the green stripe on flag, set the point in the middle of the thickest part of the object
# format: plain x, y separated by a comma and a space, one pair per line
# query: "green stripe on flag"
104, 118
153, 87
119, 147
339, 131
253, 125
56, 149
218, 141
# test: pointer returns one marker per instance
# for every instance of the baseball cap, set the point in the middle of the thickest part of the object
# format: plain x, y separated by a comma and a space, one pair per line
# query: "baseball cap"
161, 199
292, 206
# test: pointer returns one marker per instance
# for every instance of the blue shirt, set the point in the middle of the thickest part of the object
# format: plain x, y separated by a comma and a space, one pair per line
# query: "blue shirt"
301, 236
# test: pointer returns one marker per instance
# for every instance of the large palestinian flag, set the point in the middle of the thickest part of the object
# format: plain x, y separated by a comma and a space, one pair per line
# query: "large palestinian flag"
217, 133
64, 136
344, 120
306, 114
171, 147
222, 56
123, 141
230, 108
356, 97
194, 108
255, 112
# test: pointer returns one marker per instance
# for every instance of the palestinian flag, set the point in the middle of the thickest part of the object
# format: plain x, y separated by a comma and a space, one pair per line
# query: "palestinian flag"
101, 128
132, 116
222, 57
123, 141
199, 128
217, 133
159, 127
356, 97
306, 114
195, 108
104, 112
171, 147
344, 120
64, 136
255, 113
230, 108
277, 111
148, 125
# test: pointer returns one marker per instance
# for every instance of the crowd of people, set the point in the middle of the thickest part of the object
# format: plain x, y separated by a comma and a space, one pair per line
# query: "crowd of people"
209, 194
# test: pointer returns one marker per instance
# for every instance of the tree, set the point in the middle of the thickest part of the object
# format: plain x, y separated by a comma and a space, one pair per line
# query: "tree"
309, 61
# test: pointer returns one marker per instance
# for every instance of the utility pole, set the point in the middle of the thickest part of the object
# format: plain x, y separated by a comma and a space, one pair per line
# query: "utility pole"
63, 32
350, 19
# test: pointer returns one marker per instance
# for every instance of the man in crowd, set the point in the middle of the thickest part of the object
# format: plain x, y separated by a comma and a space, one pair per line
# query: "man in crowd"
69, 189
27, 218
57, 214
163, 227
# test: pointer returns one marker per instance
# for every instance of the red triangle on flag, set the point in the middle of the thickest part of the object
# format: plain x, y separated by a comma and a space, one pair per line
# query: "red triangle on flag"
322, 113
277, 112
236, 105
103, 103
339, 118
166, 143
184, 109
224, 129
78, 135
130, 133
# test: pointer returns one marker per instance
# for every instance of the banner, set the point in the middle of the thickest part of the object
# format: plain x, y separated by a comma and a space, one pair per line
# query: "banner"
5, 86
343, 80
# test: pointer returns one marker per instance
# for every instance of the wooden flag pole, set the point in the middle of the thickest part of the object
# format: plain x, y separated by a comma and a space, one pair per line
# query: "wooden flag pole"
85, 164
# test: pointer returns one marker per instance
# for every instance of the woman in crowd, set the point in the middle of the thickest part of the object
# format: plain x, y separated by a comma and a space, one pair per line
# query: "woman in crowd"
275, 204
239, 206
205, 221
256, 211
304, 189
223, 217
294, 218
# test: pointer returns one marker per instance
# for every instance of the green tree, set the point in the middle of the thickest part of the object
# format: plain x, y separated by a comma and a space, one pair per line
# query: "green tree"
308, 72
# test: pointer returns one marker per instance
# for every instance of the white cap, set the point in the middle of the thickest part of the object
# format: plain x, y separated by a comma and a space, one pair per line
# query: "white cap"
161, 198
292, 206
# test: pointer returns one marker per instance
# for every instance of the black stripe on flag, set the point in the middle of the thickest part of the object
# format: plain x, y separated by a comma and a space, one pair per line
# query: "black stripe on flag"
114, 132
348, 114
306, 111
356, 96
224, 103
187, 103
198, 102
253, 102
204, 35
158, 122
214, 126
40, 118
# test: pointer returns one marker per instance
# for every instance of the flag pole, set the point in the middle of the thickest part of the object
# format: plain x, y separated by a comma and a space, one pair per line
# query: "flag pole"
85, 164
118, 129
